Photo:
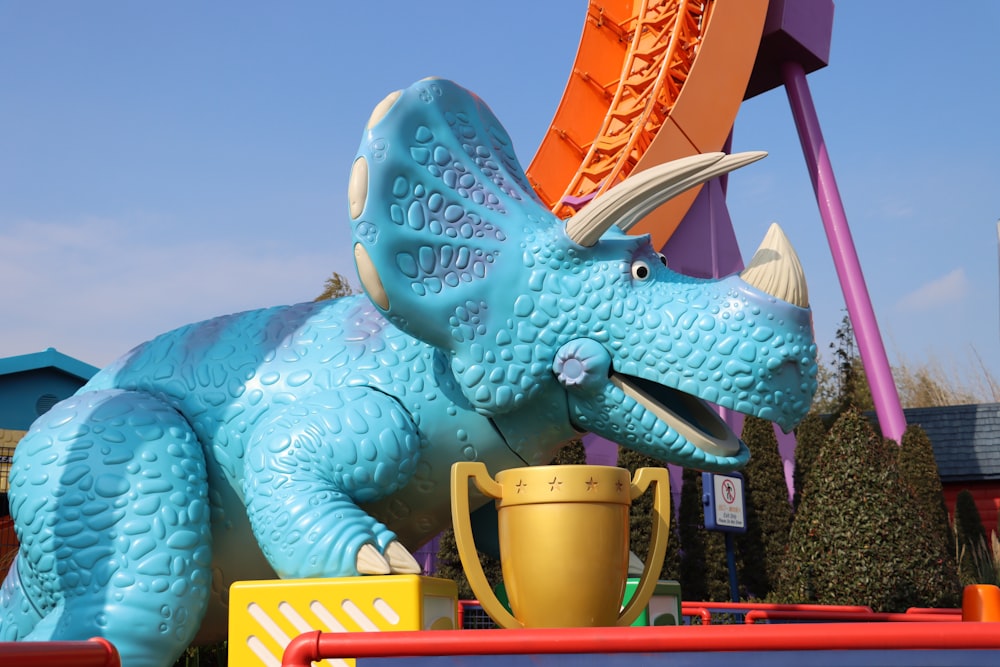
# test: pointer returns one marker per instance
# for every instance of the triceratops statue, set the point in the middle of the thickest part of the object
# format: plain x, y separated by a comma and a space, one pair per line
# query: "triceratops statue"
317, 439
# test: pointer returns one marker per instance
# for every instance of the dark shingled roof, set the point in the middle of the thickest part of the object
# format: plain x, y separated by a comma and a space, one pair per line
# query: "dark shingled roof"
966, 439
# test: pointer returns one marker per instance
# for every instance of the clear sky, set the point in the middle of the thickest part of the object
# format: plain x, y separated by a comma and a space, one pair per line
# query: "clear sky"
161, 163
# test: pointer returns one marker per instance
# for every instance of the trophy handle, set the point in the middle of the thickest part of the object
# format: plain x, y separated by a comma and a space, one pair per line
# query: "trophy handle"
658, 539
461, 473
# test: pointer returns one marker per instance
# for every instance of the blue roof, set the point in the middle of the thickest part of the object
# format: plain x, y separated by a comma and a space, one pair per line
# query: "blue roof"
50, 358
965, 438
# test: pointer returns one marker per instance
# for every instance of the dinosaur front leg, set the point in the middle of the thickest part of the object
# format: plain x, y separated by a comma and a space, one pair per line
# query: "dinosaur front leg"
308, 469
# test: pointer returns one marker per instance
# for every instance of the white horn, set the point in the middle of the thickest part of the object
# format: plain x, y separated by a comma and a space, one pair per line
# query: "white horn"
631, 200
775, 269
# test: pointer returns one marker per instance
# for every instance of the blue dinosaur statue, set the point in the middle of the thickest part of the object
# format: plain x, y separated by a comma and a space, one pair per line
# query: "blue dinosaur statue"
316, 440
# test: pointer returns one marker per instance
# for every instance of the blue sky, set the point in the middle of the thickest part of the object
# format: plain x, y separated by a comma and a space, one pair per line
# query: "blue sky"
161, 163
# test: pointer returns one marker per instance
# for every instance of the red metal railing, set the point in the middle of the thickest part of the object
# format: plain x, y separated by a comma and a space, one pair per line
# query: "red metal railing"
755, 615
96, 652
934, 610
705, 610
315, 646
754, 612
701, 612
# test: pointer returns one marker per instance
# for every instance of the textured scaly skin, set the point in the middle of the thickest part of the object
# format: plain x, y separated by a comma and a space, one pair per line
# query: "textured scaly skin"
282, 441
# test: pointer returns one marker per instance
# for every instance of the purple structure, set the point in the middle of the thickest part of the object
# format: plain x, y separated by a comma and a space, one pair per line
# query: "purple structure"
845, 257
795, 42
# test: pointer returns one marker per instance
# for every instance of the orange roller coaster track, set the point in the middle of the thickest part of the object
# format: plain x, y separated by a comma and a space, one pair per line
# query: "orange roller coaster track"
653, 80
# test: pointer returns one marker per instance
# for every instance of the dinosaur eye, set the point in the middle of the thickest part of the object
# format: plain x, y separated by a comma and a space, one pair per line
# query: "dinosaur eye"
640, 270
663, 258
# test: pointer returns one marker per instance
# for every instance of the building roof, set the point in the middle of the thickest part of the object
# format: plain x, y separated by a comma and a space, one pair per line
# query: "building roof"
966, 439
50, 358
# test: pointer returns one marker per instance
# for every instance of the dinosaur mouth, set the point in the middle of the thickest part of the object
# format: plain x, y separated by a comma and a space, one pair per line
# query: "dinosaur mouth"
691, 417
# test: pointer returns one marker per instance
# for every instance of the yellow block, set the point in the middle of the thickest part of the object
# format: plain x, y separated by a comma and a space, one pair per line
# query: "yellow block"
264, 616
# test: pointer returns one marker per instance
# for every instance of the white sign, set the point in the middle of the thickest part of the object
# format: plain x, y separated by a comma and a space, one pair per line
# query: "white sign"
729, 502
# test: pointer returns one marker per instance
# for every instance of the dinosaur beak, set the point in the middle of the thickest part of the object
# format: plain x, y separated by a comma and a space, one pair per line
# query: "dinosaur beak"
775, 269
631, 200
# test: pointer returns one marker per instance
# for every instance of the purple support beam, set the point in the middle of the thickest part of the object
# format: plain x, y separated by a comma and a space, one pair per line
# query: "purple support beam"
845, 257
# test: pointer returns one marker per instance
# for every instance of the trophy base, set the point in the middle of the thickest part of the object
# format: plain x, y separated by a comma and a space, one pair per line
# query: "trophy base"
664, 606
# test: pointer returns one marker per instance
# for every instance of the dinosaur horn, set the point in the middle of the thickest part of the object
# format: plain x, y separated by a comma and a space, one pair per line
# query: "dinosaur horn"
775, 269
631, 200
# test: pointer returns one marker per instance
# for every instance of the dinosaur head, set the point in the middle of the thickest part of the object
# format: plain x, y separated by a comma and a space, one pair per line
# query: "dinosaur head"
550, 324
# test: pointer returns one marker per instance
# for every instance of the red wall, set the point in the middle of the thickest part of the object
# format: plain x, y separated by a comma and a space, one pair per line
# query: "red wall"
8, 544
987, 497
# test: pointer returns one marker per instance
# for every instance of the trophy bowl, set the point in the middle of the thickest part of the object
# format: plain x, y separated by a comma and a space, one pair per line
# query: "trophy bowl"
564, 542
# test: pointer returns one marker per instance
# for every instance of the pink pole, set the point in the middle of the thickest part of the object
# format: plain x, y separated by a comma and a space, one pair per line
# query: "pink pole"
845, 257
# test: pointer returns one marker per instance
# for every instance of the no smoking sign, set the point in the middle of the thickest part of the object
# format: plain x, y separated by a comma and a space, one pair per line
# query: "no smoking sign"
724, 502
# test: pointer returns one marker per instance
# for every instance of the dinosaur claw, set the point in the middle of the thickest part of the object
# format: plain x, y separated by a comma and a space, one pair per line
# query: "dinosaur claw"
400, 560
370, 561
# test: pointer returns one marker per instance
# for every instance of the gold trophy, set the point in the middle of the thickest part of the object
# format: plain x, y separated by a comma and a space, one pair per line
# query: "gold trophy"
564, 542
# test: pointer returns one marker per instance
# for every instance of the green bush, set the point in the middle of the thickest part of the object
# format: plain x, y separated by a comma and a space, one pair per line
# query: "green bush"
449, 566
919, 469
639, 517
970, 536
572, 454
809, 437
704, 573
985, 558
768, 512
858, 536
209, 655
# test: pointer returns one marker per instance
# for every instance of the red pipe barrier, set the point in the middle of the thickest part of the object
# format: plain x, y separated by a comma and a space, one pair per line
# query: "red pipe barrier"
847, 616
691, 608
96, 652
934, 610
771, 606
315, 646
706, 615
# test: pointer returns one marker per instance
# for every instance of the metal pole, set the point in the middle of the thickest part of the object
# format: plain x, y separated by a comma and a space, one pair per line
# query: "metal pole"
734, 589
845, 257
